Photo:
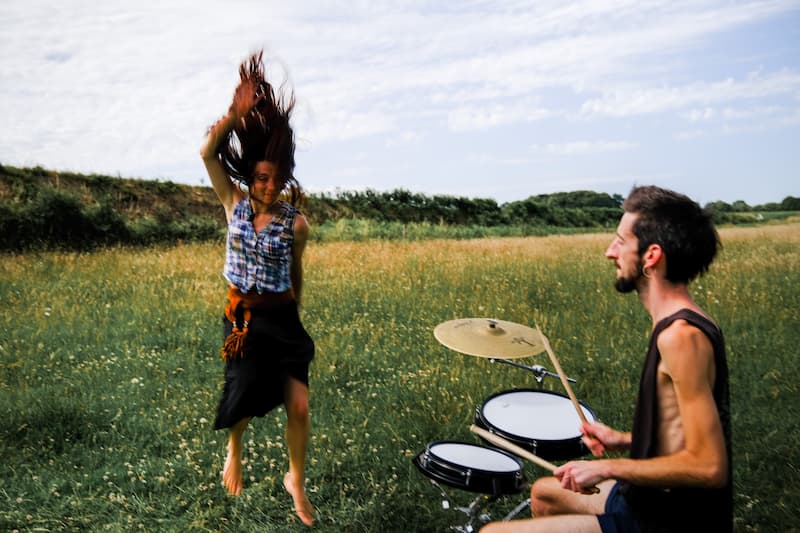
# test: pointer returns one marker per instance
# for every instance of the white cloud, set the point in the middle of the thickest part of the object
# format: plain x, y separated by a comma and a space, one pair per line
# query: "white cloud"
482, 117
584, 147
641, 101
689, 135
700, 115
405, 138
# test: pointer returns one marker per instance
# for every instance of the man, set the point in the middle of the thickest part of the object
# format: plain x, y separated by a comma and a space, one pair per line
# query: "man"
678, 476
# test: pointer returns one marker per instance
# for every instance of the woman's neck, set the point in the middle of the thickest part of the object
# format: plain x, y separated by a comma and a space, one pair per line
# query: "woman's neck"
260, 208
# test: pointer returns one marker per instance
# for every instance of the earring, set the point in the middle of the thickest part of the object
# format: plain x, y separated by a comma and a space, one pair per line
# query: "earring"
645, 273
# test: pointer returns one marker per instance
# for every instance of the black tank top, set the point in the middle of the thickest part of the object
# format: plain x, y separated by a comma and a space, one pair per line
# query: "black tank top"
680, 509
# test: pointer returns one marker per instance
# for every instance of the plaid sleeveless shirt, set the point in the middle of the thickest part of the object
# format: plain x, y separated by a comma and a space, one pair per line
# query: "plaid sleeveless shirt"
260, 262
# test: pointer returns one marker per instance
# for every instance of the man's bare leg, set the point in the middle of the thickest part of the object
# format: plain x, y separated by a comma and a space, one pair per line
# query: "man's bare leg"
298, 427
547, 524
548, 498
557, 509
232, 472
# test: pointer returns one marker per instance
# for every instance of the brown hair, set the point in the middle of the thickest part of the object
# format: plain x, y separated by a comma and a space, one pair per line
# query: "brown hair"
264, 134
679, 225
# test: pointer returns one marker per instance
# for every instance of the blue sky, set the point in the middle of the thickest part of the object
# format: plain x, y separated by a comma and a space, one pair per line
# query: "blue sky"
481, 99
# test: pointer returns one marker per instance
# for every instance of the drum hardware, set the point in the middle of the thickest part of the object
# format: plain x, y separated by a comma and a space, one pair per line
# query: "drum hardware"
520, 421
476, 510
491, 472
518, 509
539, 372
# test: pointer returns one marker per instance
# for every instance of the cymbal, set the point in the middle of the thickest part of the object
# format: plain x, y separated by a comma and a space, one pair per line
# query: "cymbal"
489, 337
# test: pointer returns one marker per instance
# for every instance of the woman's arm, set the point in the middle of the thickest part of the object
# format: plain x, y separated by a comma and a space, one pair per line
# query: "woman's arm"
222, 184
299, 246
229, 194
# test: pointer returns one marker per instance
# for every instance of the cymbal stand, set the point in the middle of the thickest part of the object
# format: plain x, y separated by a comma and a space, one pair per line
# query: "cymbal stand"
474, 511
539, 372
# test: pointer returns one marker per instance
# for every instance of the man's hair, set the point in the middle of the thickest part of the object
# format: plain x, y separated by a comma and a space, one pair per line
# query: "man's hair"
679, 225
265, 134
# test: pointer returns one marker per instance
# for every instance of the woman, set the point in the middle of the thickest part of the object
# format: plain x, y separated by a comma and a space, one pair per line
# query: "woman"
266, 351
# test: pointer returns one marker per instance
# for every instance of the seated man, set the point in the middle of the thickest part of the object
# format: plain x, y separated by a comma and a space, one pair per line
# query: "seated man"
679, 473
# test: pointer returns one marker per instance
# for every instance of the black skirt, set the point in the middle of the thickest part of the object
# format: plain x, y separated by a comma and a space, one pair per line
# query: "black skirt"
277, 348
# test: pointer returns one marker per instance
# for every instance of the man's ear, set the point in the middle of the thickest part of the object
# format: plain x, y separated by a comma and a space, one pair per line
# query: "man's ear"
653, 256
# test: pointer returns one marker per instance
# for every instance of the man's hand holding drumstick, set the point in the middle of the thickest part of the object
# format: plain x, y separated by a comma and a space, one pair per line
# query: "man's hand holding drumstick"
582, 476
600, 438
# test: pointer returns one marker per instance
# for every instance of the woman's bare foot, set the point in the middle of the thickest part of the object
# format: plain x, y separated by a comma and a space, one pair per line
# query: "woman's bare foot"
232, 472
303, 507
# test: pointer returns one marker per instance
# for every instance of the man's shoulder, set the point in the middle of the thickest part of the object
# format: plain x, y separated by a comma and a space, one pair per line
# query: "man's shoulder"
684, 347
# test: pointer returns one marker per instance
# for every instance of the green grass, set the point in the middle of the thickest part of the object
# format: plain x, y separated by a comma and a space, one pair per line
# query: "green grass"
110, 377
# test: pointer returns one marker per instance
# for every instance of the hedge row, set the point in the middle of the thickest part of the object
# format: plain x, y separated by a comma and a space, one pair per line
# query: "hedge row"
56, 219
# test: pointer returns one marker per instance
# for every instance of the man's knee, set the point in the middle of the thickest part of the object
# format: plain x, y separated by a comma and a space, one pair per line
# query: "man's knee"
544, 496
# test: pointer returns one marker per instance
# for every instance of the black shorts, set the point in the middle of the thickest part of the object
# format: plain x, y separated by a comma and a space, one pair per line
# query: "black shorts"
618, 517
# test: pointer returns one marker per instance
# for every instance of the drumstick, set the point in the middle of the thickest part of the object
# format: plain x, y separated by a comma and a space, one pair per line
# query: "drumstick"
511, 447
561, 375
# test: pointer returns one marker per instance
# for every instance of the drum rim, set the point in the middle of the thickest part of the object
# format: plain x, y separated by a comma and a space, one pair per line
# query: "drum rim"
513, 457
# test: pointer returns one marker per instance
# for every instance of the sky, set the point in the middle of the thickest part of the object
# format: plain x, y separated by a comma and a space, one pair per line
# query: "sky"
479, 99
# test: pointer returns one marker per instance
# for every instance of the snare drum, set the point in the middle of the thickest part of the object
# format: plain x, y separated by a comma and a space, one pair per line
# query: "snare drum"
542, 422
471, 467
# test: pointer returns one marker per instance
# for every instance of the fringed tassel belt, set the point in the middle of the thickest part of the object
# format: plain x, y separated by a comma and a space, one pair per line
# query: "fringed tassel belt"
247, 303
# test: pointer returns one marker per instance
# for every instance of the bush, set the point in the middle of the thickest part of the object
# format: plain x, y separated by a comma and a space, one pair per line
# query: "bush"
108, 227
148, 231
10, 228
55, 218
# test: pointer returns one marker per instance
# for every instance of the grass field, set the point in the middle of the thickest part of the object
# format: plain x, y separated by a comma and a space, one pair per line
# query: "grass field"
110, 377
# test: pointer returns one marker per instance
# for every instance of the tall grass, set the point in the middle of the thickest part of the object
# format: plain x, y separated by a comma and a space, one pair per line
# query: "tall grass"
110, 377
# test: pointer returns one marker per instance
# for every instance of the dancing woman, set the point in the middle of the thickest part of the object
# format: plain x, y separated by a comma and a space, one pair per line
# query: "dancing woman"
249, 156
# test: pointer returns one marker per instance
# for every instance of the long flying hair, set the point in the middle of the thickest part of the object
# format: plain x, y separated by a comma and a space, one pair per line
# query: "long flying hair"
264, 134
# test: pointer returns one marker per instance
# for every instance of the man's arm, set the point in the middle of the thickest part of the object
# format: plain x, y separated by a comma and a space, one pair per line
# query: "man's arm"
702, 462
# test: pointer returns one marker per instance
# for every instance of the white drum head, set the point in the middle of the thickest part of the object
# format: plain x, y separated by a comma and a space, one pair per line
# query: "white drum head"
535, 415
473, 456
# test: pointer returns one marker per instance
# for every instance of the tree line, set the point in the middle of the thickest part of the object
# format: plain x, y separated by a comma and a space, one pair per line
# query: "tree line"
42, 208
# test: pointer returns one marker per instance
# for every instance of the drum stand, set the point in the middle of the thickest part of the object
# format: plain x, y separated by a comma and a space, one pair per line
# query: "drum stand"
518, 509
476, 517
539, 372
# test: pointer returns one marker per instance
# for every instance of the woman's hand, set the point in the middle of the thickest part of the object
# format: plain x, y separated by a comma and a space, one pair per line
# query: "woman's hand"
244, 98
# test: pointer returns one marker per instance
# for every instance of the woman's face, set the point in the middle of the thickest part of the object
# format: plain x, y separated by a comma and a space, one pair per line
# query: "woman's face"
266, 186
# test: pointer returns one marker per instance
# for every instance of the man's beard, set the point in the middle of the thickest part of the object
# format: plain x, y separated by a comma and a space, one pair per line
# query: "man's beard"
626, 284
